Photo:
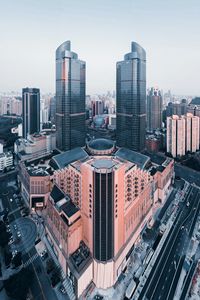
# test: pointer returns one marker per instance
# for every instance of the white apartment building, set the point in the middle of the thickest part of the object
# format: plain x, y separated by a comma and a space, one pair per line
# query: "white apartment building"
182, 134
6, 160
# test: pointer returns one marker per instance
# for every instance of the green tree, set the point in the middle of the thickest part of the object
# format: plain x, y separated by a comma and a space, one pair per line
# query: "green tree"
17, 260
4, 239
17, 286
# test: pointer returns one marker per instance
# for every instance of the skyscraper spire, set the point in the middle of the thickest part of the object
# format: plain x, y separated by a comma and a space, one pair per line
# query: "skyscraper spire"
131, 99
70, 98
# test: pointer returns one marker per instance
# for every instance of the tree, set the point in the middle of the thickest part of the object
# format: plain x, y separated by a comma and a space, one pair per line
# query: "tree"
17, 286
7, 257
55, 278
50, 265
4, 239
2, 227
5, 217
17, 260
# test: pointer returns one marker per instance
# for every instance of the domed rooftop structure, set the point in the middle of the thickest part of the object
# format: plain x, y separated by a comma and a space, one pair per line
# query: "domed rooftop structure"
101, 147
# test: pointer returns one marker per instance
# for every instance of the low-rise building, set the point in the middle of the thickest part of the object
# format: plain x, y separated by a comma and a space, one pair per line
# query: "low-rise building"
35, 184
35, 146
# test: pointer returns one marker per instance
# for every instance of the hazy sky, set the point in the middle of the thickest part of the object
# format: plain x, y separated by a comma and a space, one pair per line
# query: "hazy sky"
101, 32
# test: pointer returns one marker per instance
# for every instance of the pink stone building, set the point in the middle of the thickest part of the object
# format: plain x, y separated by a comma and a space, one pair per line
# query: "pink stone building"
98, 207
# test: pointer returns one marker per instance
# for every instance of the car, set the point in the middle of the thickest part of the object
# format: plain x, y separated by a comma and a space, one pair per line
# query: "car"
19, 234
15, 226
11, 200
11, 241
62, 289
43, 254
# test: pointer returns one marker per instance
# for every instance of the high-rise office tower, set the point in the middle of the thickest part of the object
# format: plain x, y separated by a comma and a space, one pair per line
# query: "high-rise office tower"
70, 99
52, 112
154, 110
30, 111
97, 107
131, 99
178, 109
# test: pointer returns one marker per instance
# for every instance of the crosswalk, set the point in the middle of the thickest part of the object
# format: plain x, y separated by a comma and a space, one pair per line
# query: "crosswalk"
31, 259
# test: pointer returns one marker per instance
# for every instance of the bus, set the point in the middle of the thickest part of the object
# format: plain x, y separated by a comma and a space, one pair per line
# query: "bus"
130, 289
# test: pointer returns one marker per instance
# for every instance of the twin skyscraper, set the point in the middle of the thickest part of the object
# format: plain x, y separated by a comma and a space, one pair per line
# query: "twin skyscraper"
130, 99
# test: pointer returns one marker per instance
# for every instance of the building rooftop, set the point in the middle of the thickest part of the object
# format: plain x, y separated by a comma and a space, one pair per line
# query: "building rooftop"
101, 144
157, 159
81, 258
195, 101
103, 163
62, 160
139, 159
37, 171
56, 194
69, 208
161, 168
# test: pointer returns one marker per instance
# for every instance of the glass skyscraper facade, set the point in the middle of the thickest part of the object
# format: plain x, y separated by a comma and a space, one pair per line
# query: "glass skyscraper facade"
70, 99
131, 99
154, 110
30, 111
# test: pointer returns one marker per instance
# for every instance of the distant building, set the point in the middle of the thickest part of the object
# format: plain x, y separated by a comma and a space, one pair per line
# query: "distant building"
44, 113
35, 146
30, 111
182, 134
53, 110
97, 107
152, 144
154, 110
112, 121
70, 98
194, 109
131, 99
176, 108
10, 106
6, 160
195, 101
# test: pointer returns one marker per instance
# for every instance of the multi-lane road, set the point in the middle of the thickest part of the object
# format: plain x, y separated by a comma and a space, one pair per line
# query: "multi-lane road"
40, 287
164, 276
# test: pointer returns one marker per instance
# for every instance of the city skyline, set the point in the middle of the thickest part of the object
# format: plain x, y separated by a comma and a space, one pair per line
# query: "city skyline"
100, 32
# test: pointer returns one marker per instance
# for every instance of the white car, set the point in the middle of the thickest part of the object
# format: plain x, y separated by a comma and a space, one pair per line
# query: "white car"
11, 241
11, 200
19, 234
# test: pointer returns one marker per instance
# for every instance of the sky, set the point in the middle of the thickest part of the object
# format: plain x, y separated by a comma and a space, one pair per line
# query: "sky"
101, 32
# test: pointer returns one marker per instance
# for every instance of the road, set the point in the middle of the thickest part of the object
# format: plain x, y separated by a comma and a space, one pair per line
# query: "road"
40, 288
163, 279
192, 176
